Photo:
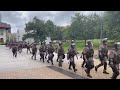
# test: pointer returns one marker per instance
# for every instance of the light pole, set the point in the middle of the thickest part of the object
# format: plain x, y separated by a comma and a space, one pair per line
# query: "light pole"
101, 28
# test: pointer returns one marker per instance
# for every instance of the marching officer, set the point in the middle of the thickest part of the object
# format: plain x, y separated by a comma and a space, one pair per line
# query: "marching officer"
83, 56
14, 50
28, 47
34, 51
88, 54
114, 59
60, 54
103, 56
42, 50
71, 53
50, 53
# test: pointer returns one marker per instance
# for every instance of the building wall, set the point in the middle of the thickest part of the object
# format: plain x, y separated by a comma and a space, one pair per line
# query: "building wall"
4, 34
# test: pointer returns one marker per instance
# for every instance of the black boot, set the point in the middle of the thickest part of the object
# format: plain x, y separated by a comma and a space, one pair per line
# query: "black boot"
40, 59
52, 63
48, 61
96, 68
70, 68
75, 70
89, 76
105, 72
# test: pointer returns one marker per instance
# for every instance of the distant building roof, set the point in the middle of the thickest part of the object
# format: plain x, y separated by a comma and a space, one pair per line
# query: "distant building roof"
5, 25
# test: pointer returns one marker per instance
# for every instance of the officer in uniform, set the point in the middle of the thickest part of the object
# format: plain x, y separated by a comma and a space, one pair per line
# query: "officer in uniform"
28, 47
20, 47
71, 53
50, 53
114, 58
103, 56
42, 51
60, 54
34, 51
82, 56
14, 49
46, 50
88, 54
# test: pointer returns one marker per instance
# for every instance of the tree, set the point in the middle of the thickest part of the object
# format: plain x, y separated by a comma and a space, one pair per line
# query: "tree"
36, 29
112, 24
50, 28
82, 27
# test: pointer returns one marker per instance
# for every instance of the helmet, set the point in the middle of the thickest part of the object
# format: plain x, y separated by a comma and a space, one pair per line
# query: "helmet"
72, 41
60, 43
118, 43
104, 40
73, 44
89, 42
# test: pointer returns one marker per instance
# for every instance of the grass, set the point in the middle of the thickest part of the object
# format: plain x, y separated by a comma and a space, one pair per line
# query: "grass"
80, 44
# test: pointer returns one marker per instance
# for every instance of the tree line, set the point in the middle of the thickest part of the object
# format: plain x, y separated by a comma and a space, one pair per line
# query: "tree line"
82, 27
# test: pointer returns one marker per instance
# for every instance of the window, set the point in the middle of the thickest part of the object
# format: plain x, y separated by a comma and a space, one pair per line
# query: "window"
1, 32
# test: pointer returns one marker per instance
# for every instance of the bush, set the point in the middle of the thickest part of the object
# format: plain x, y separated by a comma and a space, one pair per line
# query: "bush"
2, 43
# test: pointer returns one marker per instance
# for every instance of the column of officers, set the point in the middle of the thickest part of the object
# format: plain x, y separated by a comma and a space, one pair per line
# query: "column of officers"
46, 52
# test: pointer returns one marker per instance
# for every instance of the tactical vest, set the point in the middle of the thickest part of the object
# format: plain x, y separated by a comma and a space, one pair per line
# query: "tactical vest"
42, 49
72, 52
104, 51
60, 51
50, 50
90, 53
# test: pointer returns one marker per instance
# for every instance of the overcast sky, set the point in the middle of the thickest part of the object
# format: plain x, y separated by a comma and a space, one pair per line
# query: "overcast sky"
17, 19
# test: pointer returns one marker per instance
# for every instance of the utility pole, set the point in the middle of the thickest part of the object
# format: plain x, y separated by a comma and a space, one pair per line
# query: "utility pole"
101, 36
101, 28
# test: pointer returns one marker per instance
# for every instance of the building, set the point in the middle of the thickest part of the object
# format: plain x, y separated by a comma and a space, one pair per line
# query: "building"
4, 30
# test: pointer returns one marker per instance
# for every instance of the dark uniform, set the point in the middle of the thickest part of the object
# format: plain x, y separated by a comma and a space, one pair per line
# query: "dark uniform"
103, 56
60, 54
14, 50
20, 46
34, 51
88, 54
114, 59
82, 56
50, 53
42, 50
28, 48
71, 53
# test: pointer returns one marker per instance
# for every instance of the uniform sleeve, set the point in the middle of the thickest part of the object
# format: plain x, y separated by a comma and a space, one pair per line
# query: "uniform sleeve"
84, 50
111, 55
100, 48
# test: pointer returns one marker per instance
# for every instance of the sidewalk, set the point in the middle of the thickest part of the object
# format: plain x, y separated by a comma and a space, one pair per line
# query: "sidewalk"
23, 67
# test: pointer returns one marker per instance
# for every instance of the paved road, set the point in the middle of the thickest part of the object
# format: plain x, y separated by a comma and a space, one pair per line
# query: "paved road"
24, 67
23, 60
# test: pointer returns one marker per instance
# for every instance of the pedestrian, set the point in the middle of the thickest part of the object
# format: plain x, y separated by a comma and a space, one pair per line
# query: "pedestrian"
88, 57
28, 47
14, 50
114, 60
83, 56
103, 56
61, 55
42, 51
71, 53
50, 53
34, 51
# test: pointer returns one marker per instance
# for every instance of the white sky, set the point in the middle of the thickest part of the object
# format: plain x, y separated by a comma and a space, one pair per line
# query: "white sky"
17, 19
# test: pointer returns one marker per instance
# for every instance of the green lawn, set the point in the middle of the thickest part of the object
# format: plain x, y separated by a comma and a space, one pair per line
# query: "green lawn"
80, 44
